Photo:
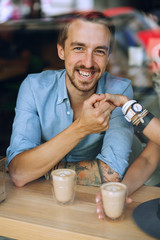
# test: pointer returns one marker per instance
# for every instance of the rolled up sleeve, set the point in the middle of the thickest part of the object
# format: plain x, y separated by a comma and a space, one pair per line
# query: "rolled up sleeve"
26, 132
117, 144
118, 138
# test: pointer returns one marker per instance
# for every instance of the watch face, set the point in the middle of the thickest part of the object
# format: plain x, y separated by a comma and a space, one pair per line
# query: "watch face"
136, 107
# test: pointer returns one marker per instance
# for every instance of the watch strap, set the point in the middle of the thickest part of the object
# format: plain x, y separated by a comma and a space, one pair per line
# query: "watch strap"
129, 115
127, 105
141, 126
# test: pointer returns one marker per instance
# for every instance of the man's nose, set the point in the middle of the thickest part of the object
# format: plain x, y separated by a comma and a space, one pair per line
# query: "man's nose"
88, 60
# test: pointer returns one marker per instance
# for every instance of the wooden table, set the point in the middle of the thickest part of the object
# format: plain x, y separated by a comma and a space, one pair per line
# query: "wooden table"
31, 212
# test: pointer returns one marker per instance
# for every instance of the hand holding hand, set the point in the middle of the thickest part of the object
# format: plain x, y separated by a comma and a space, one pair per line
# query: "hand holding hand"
95, 114
117, 100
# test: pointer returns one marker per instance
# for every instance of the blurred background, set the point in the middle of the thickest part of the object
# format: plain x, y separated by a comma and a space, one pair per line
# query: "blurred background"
28, 36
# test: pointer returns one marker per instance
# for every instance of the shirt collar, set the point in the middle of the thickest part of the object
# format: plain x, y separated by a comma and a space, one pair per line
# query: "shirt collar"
62, 90
100, 85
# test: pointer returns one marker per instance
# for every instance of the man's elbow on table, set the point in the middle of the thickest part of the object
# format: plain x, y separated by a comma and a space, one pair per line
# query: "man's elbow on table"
16, 175
18, 182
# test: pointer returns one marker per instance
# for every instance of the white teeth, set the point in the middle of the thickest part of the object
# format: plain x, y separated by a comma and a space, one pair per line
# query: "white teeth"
85, 74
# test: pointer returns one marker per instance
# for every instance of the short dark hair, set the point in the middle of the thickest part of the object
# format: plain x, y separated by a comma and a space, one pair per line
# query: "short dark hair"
91, 16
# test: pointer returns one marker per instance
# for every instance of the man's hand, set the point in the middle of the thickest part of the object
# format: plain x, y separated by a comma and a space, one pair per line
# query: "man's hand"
95, 117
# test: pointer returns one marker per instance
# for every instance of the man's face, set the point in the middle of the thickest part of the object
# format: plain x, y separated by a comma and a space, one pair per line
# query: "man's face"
85, 54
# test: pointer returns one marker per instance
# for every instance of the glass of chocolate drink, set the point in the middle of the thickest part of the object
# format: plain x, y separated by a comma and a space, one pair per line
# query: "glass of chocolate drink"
64, 183
113, 198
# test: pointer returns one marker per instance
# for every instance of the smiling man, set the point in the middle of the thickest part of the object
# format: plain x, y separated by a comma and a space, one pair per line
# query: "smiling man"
62, 116
86, 56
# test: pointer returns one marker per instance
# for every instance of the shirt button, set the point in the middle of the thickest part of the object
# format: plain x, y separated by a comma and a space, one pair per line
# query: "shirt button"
70, 156
68, 112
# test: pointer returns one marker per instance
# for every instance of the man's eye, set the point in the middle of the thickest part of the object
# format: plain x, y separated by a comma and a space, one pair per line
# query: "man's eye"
78, 48
100, 52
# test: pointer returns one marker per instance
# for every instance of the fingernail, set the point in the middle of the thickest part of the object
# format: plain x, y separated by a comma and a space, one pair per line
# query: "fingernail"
100, 217
97, 200
98, 210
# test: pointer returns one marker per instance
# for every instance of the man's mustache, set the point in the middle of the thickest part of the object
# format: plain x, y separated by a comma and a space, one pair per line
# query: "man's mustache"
84, 68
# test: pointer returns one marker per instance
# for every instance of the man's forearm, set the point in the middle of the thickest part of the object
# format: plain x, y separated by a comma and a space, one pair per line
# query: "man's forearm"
34, 163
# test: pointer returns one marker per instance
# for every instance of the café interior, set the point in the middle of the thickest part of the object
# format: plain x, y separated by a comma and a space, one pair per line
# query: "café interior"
28, 37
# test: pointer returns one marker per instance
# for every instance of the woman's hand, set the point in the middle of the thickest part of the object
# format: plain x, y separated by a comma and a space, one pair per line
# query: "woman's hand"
99, 205
116, 99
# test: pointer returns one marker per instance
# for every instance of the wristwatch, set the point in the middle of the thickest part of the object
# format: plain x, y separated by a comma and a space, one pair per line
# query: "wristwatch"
134, 109
137, 107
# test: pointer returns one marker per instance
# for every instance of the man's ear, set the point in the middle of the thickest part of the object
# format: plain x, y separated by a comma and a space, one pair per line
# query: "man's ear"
60, 50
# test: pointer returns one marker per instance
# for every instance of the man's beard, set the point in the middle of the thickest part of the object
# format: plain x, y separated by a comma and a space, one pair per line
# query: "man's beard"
81, 89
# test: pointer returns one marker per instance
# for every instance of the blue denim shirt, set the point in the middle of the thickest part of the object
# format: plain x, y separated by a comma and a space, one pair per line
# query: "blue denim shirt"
43, 110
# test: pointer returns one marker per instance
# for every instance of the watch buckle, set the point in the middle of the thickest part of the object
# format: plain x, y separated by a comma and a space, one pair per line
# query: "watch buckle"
128, 119
141, 119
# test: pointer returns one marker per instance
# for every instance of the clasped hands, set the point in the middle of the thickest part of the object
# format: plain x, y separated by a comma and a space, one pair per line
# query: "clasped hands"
95, 114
